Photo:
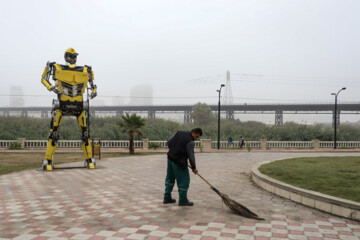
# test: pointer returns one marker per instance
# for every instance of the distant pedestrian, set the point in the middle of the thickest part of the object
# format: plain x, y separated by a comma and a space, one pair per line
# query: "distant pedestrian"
230, 142
241, 142
181, 148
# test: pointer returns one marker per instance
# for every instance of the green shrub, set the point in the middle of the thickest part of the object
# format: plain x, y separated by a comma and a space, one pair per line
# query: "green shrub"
346, 147
154, 145
15, 145
248, 147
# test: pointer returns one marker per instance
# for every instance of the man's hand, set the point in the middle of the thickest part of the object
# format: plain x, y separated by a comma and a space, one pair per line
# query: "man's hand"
195, 171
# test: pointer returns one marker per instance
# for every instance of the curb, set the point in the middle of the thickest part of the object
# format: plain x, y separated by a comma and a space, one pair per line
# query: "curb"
337, 206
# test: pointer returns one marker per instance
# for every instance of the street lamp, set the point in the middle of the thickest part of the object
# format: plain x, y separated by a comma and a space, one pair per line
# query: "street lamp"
335, 114
218, 143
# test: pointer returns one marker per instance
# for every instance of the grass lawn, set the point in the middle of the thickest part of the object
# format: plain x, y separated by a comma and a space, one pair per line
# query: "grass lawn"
335, 176
14, 162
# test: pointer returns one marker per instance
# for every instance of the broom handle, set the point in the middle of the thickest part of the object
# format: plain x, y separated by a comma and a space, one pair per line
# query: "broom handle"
211, 186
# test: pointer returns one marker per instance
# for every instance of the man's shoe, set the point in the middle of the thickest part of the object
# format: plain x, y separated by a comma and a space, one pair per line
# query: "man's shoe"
169, 200
186, 203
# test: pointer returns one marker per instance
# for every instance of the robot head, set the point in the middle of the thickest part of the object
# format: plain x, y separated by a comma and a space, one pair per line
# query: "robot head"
70, 56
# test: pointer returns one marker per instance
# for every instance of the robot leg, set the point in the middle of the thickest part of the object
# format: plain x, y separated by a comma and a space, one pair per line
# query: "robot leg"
56, 118
85, 137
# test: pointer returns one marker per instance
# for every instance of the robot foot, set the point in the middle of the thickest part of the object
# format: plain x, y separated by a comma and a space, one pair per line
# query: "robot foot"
90, 163
47, 165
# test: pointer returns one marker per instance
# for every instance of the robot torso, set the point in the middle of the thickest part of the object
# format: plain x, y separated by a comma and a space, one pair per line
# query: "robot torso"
71, 82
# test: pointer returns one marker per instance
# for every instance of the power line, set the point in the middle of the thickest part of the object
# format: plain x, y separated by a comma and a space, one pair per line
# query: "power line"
277, 79
297, 80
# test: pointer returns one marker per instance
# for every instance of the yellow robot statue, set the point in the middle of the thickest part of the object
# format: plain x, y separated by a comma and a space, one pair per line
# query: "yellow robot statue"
70, 82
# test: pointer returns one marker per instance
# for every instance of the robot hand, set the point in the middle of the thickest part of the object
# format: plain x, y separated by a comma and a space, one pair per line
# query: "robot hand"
93, 95
55, 89
93, 91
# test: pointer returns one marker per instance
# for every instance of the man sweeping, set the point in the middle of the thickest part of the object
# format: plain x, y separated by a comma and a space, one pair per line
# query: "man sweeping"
181, 148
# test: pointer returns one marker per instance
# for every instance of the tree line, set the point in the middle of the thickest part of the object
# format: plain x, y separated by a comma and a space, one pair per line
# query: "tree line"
107, 128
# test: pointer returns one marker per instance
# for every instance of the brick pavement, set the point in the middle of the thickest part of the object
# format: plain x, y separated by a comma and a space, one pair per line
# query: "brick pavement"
122, 199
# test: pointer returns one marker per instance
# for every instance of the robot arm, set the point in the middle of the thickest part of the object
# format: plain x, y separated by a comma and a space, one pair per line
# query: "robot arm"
92, 85
93, 91
46, 76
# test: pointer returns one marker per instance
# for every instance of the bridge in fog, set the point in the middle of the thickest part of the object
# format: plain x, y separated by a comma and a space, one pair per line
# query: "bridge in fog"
227, 111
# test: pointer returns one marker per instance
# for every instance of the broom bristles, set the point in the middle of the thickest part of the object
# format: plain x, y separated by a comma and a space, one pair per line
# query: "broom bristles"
237, 208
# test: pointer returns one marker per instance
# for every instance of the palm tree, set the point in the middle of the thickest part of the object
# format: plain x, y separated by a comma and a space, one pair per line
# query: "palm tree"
131, 124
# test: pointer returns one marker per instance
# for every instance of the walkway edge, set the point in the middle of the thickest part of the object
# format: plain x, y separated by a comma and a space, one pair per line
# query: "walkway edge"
337, 206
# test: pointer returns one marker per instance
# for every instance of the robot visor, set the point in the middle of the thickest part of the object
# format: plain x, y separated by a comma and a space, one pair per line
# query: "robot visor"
71, 56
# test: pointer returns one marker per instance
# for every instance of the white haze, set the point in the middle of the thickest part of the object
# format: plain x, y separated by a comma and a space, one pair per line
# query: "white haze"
277, 51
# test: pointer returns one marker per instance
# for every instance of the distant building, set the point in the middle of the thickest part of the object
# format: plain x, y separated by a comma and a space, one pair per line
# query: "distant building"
16, 96
141, 95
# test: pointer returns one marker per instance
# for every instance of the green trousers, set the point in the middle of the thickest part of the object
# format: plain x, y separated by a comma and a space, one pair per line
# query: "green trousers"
182, 177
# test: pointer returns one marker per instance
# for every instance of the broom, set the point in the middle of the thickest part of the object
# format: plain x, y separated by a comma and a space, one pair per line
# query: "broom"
234, 206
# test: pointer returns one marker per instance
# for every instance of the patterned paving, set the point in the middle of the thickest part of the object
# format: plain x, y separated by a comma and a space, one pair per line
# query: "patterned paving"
122, 199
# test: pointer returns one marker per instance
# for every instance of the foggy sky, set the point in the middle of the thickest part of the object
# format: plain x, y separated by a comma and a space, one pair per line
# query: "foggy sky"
276, 50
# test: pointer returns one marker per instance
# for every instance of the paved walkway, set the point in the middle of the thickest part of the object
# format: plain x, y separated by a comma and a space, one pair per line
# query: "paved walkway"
122, 199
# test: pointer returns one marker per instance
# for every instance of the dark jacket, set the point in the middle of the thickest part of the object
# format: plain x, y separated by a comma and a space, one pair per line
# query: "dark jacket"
181, 148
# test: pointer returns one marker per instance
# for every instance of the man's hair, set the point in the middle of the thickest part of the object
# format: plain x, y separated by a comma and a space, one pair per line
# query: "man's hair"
197, 131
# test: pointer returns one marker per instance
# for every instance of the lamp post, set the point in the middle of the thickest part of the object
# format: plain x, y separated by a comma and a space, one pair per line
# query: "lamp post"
218, 143
335, 114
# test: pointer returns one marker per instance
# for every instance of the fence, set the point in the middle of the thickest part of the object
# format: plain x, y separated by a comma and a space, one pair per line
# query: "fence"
162, 144
289, 144
6, 143
77, 143
262, 144
225, 144
340, 144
